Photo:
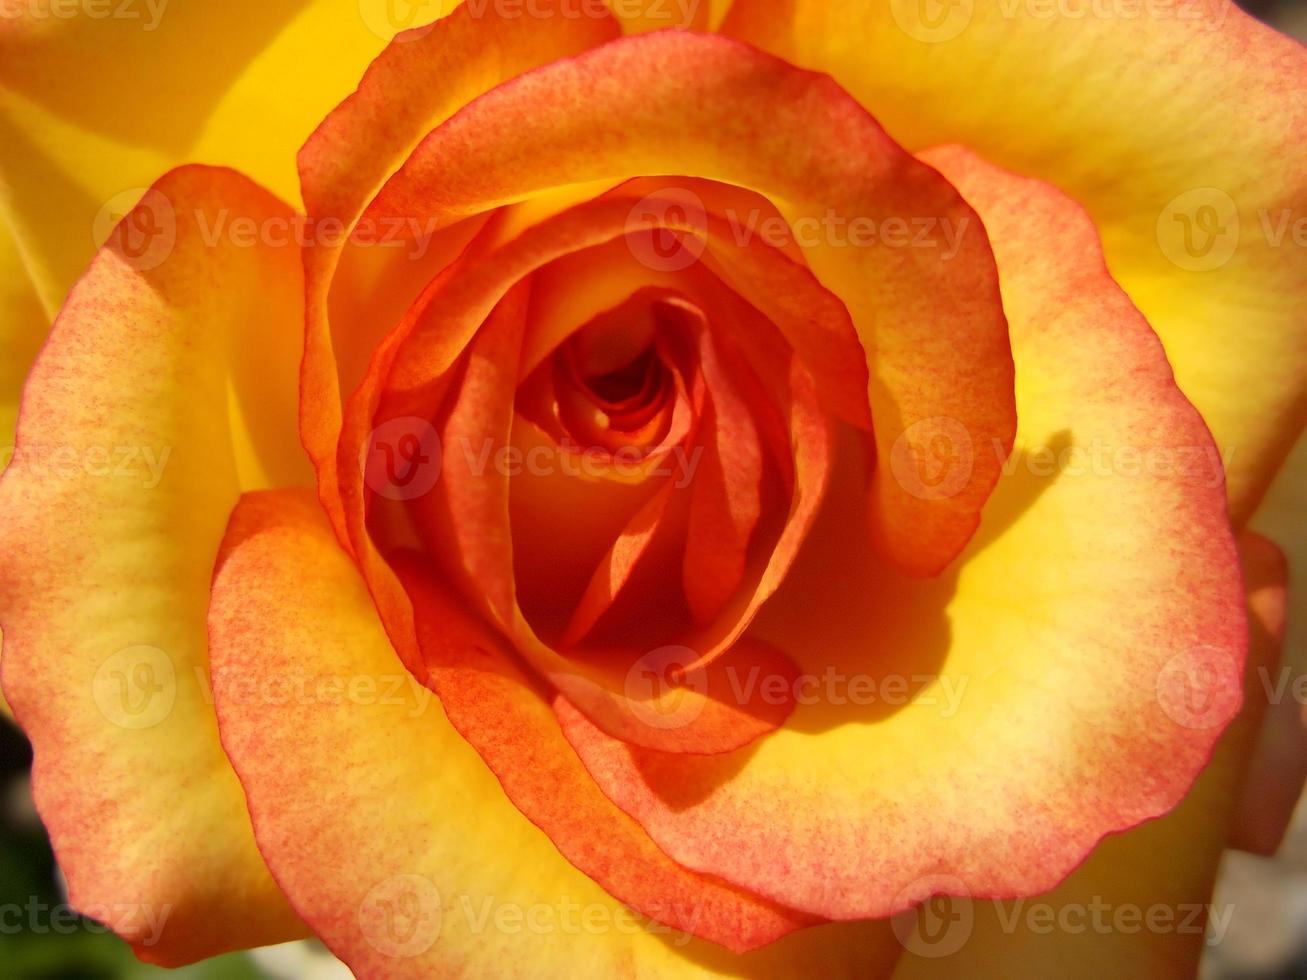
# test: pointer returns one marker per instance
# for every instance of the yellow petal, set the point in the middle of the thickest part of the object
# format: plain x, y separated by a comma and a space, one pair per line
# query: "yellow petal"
1140, 905
23, 325
110, 517
94, 109
1177, 124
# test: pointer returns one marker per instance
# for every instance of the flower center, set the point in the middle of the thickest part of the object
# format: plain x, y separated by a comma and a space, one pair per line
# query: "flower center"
628, 384
618, 379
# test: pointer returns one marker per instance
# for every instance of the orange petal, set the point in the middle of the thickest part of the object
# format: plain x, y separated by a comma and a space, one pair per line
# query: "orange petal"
366, 798
615, 568
110, 518
465, 521
720, 720
449, 316
420, 80
24, 328
549, 565
727, 494
929, 318
812, 448
1068, 680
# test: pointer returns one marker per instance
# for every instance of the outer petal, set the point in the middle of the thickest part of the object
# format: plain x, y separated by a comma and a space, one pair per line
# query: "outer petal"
506, 719
23, 324
94, 108
700, 106
110, 518
1072, 675
1178, 125
440, 875
1139, 906
391, 836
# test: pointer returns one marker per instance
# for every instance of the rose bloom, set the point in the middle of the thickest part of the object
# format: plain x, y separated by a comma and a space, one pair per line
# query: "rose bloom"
543, 496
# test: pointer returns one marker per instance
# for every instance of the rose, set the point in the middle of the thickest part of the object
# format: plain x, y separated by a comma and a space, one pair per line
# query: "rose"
1093, 628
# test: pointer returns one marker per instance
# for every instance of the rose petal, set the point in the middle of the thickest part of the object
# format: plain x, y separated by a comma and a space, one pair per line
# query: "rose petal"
94, 108
931, 320
727, 492
1120, 111
1068, 681
1141, 904
420, 353
616, 567
110, 518
419, 81
363, 793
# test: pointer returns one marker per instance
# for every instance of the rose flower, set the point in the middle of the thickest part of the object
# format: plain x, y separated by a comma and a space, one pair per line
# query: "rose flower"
657, 503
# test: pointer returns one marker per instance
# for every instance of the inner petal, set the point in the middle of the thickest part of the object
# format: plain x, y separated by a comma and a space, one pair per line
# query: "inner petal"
610, 414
